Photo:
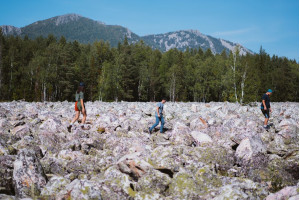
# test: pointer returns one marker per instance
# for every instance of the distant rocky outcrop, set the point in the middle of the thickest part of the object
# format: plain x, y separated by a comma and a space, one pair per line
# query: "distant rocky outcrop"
10, 30
208, 151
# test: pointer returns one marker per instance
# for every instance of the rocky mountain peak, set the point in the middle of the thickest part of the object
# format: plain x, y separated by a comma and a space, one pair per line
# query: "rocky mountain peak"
63, 19
9, 30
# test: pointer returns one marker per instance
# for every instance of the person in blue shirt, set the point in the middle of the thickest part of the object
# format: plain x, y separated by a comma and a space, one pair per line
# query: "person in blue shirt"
266, 107
159, 116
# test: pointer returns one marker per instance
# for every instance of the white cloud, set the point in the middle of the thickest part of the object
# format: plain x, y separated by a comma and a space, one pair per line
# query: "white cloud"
234, 32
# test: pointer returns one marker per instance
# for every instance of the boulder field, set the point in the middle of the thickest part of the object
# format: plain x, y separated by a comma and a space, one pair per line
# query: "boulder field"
208, 151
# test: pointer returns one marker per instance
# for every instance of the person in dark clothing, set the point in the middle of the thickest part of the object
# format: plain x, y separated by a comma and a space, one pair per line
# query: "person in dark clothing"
266, 107
159, 116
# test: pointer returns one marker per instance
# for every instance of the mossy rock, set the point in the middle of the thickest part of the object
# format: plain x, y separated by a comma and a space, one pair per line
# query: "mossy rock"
183, 186
144, 195
154, 181
207, 180
131, 192
101, 130
12, 150
279, 172
93, 152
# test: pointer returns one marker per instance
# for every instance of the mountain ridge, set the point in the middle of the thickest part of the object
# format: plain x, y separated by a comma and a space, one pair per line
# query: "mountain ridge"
85, 30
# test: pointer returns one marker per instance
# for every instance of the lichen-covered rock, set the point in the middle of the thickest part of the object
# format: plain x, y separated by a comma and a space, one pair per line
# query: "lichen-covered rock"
201, 138
198, 124
51, 125
3, 148
155, 181
80, 189
183, 186
7, 197
28, 175
116, 185
251, 151
20, 131
291, 192
181, 134
207, 151
6, 174
242, 189
278, 173
54, 186
52, 142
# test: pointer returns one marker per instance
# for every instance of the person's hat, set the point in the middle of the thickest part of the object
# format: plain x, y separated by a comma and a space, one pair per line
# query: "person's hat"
269, 90
81, 84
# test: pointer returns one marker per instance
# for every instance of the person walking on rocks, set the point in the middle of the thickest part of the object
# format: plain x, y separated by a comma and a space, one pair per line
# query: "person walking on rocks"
79, 107
159, 116
266, 107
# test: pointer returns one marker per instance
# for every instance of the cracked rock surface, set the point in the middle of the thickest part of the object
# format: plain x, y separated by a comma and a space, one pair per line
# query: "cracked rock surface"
208, 151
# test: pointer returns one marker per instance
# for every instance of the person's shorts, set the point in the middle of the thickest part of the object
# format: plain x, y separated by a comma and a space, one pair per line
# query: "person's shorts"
266, 113
76, 108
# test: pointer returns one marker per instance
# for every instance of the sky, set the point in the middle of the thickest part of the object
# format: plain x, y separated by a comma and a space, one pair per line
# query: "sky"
270, 24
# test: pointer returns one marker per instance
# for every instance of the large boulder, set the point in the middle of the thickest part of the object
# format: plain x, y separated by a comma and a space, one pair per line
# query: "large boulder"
6, 174
54, 186
51, 125
251, 151
201, 138
20, 131
180, 134
79, 189
290, 192
28, 174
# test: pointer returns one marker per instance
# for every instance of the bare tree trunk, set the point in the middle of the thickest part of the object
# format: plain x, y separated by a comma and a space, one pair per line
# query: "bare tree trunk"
31, 75
170, 91
36, 90
139, 90
243, 83
174, 87
56, 91
234, 72
116, 94
44, 92
11, 67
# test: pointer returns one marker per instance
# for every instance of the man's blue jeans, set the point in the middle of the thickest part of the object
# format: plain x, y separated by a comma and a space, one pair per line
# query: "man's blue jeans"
162, 121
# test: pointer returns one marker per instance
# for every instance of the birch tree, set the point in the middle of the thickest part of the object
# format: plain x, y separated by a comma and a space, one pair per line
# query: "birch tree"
235, 54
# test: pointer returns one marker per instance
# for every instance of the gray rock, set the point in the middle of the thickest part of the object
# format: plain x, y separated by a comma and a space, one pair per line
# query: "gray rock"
28, 175
181, 134
51, 125
80, 189
54, 186
20, 131
6, 174
201, 138
251, 151
7, 197
285, 193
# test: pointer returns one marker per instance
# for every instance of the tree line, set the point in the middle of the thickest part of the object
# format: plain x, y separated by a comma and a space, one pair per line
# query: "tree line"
50, 69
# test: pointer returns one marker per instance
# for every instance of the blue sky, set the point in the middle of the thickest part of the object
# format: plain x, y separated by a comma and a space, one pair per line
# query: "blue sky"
272, 24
